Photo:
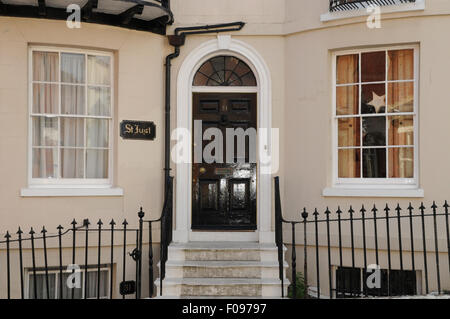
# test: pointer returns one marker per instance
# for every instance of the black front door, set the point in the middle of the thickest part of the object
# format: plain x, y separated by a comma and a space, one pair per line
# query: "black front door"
224, 194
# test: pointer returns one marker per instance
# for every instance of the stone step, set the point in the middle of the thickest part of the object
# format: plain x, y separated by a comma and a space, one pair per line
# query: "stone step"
232, 287
222, 269
224, 251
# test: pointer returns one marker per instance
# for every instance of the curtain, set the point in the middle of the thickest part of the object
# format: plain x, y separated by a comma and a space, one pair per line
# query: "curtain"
91, 289
347, 103
41, 286
401, 99
72, 68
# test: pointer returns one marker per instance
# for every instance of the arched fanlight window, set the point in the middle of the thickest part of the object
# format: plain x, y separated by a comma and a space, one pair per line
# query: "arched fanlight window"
224, 71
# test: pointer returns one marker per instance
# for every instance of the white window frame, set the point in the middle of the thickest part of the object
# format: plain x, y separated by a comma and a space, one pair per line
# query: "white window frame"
29, 273
68, 183
378, 185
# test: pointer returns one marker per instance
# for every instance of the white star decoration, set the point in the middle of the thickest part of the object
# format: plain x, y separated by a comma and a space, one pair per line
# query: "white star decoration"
377, 101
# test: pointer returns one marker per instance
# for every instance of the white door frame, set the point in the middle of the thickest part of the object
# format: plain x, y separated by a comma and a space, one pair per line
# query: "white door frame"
224, 44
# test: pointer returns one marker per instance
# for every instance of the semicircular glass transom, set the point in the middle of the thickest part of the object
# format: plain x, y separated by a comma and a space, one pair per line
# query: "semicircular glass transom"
224, 71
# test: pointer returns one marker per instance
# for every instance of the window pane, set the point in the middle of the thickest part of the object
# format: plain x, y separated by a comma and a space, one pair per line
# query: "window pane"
45, 131
401, 130
97, 132
91, 291
99, 69
72, 68
72, 132
96, 164
347, 69
72, 163
373, 66
72, 99
349, 163
45, 98
401, 97
347, 100
45, 66
374, 163
401, 162
41, 286
99, 101
45, 163
67, 292
401, 65
373, 98
349, 129
374, 131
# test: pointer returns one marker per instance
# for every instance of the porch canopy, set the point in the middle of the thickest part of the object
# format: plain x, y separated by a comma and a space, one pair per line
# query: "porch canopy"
345, 5
144, 15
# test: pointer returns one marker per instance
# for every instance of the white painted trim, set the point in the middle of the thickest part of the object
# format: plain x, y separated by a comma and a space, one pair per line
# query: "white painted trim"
70, 192
366, 192
419, 5
183, 190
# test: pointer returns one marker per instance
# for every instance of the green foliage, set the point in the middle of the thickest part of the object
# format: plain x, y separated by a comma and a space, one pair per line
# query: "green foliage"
300, 289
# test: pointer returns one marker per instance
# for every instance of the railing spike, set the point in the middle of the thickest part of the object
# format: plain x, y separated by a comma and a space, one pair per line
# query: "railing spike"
19, 232
43, 230
112, 223
434, 206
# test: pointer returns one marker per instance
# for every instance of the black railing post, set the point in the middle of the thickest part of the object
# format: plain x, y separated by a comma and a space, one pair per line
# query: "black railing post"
425, 263
33, 257
338, 282
86, 249
294, 264
60, 288
47, 286
124, 254
436, 247
388, 237
8, 270
316, 230
446, 206
112, 223
74, 232
400, 248
305, 250
19, 233
330, 281
363, 221
141, 215
99, 252
411, 232
351, 211
279, 232
150, 260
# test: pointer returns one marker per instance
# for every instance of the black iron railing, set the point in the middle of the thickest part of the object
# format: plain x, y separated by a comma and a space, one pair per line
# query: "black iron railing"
345, 5
49, 257
351, 275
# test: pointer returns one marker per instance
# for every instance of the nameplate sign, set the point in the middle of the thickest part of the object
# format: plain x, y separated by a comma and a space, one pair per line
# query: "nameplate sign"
137, 130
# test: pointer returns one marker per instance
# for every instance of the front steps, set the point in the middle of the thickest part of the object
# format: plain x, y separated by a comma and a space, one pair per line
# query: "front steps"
219, 269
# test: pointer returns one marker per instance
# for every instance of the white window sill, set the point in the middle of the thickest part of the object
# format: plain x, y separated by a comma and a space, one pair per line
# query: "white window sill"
365, 192
70, 192
330, 16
